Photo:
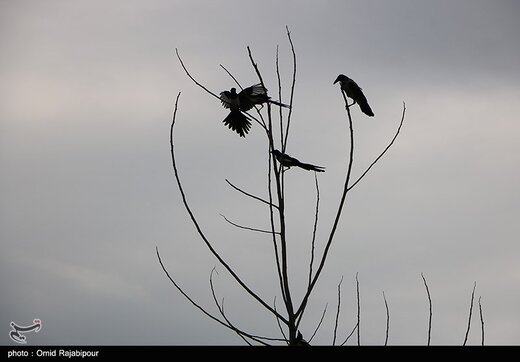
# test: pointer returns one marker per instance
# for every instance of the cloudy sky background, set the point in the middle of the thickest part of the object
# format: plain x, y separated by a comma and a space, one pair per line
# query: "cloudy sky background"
87, 190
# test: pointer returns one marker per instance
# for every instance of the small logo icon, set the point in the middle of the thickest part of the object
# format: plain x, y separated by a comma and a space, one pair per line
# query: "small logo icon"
17, 332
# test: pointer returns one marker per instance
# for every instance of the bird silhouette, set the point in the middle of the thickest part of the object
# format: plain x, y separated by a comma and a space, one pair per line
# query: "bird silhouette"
243, 102
288, 161
238, 122
247, 98
355, 92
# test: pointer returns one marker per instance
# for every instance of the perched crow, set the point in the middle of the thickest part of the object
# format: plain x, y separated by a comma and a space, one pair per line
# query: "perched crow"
355, 92
288, 161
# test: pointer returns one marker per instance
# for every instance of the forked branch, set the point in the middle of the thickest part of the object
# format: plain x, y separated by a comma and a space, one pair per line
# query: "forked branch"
201, 233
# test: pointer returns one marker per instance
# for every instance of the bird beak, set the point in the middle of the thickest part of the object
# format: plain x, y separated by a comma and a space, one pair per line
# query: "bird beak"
337, 80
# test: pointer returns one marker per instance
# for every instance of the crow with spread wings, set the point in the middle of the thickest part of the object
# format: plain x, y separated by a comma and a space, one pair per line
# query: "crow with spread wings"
243, 102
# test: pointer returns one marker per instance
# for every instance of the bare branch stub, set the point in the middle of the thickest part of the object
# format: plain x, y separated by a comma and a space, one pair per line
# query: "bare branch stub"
319, 323
387, 319
251, 195
470, 314
337, 313
247, 227
481, 321
430, 308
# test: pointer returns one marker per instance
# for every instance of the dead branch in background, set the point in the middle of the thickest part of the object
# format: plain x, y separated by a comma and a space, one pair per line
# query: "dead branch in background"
358, 311
481, 321
470, 313
430, 305
319, 323
247, 227
316, 212
387, 319
356, 327
291, 98
337, 312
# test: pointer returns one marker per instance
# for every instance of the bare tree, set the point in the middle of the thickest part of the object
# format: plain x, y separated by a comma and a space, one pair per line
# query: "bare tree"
290, 317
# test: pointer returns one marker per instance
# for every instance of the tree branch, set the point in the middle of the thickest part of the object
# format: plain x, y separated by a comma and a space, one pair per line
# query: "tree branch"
186, 295
319, 323
481, 320
470, 313
221, 308
251, 195
430, 304
199, 230
242, 334
193, 79
387, 319
358, 310
284, 144
279, 325
246, 227
303, 304
337, 313
315, 226
356, 327
279, 187
384, 151
232, 77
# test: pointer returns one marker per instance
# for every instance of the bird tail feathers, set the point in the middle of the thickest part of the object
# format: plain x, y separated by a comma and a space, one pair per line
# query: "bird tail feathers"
238, 122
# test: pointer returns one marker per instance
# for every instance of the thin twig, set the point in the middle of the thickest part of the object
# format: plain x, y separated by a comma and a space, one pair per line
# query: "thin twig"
315, 226
279, 96
481, 320
387, 319
273, 227
187, 296
350, 334
231, 75
268, 127
384, 151
430, 307
193, 79
279, 325
303, 304
470, 313
201, 233
251, 195
221, 307
358, 310
337, 313
284, 144
246, 227
319, 323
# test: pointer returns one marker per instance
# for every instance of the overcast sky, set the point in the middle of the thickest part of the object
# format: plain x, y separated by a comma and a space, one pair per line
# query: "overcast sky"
87, 190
